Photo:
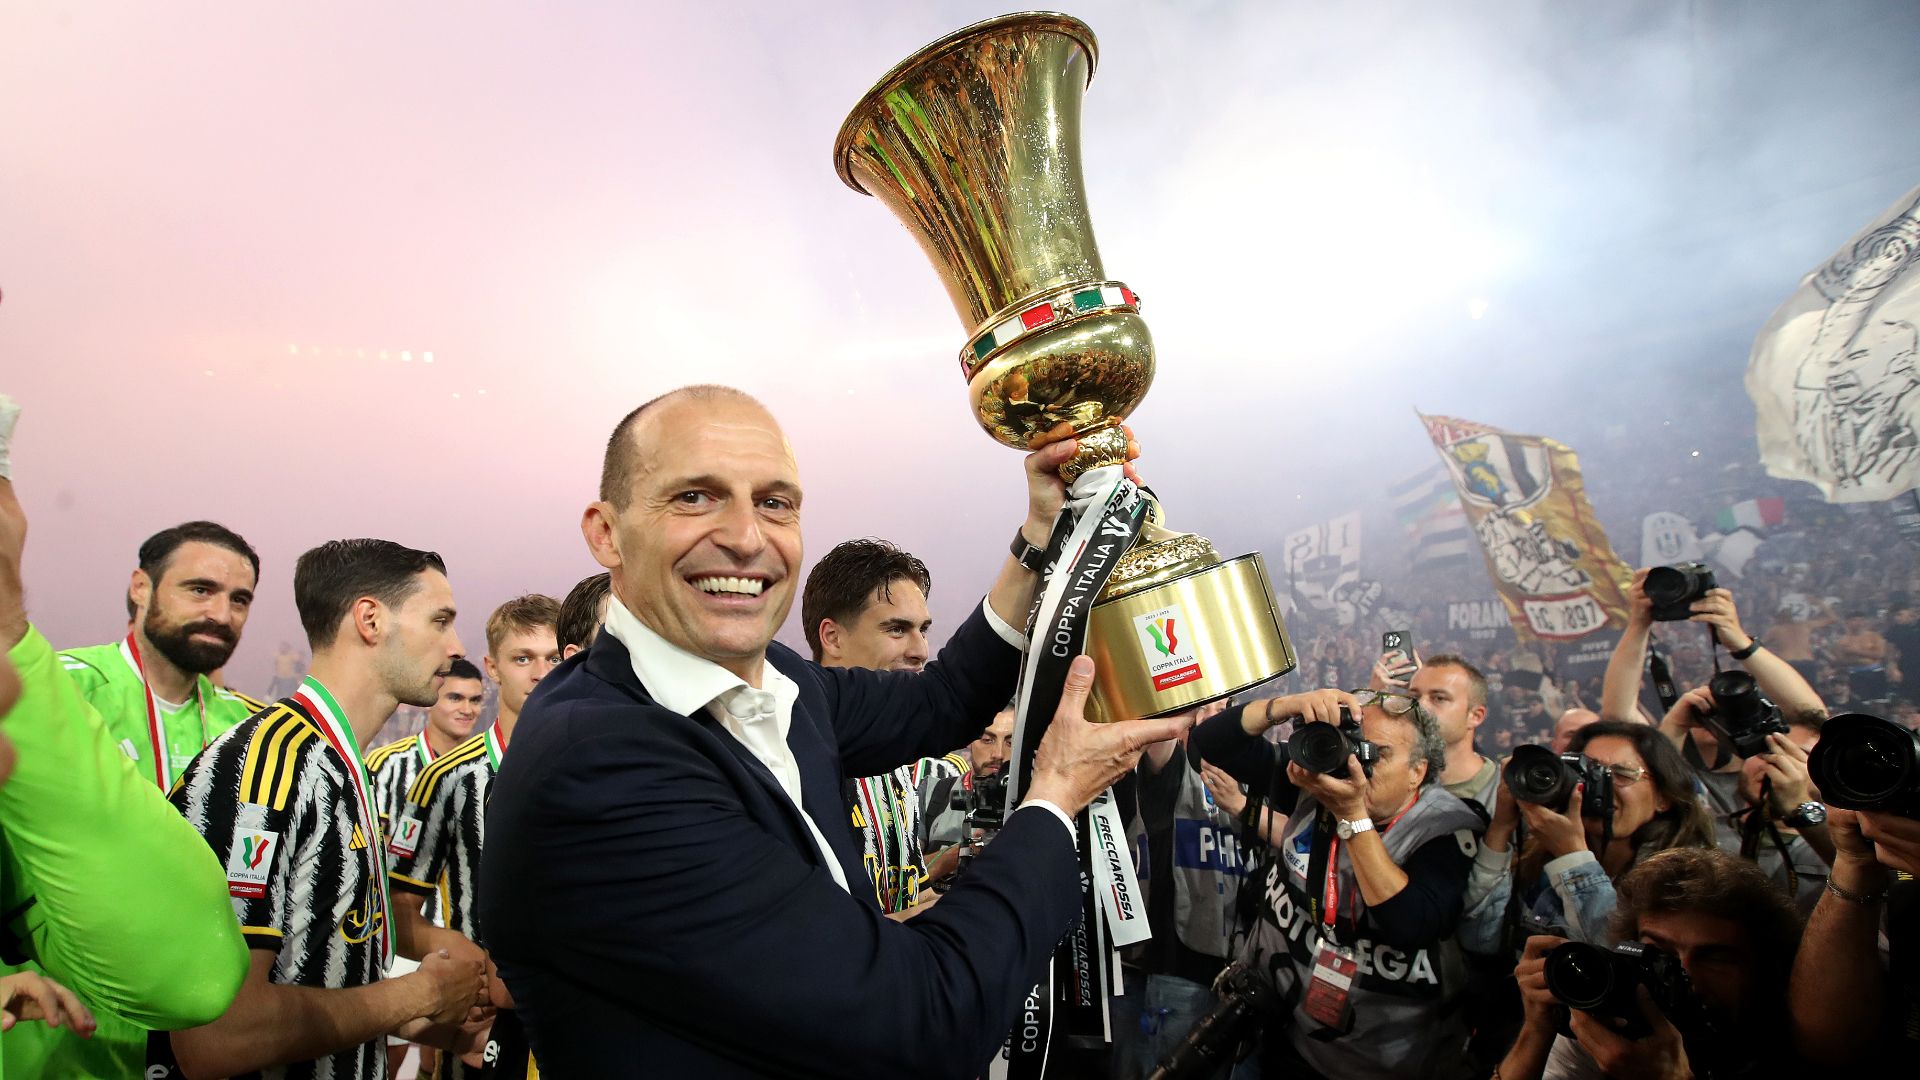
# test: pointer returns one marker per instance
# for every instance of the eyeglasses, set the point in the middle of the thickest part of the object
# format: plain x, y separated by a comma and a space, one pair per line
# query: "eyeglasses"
1626, 775
1393, 702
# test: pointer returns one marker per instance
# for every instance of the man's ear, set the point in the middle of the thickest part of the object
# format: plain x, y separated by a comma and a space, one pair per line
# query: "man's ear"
830, 640
597, 525
140, 589
367, 619
493, 672
1477, 716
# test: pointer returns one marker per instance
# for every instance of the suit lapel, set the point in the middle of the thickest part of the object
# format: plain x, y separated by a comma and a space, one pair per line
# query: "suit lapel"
610, 662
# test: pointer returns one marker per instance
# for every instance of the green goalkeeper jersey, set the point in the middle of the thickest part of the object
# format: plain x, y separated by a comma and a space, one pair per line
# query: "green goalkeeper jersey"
110, 680
104, 886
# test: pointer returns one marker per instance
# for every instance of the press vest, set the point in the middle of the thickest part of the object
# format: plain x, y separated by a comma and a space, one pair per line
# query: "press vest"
1405, 1022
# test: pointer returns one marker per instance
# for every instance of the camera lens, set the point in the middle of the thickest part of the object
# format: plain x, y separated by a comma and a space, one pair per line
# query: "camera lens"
1736, 696
1865, 763
1319, 748
1537, 775
1668, 585
1582, 976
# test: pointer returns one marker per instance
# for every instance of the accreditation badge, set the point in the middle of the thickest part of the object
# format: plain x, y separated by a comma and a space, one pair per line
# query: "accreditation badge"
1329, 997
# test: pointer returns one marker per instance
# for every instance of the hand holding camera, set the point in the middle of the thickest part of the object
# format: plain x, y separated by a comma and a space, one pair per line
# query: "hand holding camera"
1556, 793
1332, 763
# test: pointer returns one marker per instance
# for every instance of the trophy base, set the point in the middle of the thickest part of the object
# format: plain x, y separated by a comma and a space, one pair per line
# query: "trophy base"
1188, 630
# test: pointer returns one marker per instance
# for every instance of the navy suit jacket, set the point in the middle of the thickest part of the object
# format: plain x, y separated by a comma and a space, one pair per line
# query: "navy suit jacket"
658, 908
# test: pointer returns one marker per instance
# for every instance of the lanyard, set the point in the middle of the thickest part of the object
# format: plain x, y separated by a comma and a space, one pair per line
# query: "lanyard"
156, 731
326, 713
1330, 907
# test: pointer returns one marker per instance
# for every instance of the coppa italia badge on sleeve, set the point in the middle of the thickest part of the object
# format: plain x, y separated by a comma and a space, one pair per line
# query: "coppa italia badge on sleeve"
406, 836
1167, 643
249, 861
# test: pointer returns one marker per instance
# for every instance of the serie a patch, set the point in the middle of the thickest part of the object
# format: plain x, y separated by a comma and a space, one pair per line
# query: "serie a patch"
250, 862
406, 836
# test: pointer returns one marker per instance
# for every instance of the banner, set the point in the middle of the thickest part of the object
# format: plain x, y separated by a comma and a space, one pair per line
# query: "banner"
1479, 620
1550, 560
1430, 512
1323, 562
1832, 374
1667, 538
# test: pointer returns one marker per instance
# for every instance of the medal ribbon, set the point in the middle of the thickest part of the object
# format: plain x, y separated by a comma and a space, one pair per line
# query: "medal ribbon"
319, 706
156, 731
1101, 519
1330, 908
495, 748
426, 749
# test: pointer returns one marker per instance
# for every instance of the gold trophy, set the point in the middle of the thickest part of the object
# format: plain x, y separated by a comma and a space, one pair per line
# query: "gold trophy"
973, 142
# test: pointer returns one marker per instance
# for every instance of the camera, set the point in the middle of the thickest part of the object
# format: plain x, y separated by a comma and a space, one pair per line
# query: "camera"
1323, 748
1602, 983
1538, 775
985, 803
1865, 763
1673, 589
1741, 718
1217, 1038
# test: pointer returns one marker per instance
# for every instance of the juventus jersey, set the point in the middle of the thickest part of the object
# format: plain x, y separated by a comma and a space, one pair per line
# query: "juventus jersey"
439, 830
392, 769
279, 807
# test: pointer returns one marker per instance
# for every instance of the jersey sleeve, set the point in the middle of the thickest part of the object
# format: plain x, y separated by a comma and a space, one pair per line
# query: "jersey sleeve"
425, 831
127, 905
242, 797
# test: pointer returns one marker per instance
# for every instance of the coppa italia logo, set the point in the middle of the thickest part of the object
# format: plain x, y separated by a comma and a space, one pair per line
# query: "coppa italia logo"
1167, 645
249, 862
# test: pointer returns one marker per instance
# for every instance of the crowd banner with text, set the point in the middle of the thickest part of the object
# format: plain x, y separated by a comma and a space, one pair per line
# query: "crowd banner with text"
1550, 560
1832, 374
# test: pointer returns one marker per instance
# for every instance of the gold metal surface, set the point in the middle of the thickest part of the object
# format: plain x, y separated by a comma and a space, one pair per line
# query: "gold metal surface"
974, 144
1225, 617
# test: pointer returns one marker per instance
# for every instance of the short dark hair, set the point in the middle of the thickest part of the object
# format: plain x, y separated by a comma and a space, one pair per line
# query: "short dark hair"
157, 550
1476, 679
580, 611
622, 460
1707, 881
462, 668
328, 579
529, 612
841, 582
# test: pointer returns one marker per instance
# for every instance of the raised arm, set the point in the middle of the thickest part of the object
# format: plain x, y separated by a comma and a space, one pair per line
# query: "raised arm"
1620, 691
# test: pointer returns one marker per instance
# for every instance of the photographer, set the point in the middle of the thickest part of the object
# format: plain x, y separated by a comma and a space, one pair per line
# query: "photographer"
1360, 905
1780, 825
1852, 1007
1734, 936
1777, 678
1571, 856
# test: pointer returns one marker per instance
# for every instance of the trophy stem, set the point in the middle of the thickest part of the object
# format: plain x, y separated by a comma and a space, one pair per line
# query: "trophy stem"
1105, 446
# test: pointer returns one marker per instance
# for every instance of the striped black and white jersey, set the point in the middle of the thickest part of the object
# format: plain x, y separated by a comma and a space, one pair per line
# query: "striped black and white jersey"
279, 806
439, 831
392, 769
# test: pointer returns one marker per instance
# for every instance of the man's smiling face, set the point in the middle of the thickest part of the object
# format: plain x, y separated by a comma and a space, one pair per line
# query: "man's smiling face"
709, 541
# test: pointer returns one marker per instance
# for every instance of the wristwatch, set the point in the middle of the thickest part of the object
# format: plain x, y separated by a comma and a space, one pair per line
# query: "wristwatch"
1347, 830
1806, 815
1033, 558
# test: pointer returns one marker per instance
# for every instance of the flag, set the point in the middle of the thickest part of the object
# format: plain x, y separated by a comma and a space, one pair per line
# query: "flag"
1430, 512
1752, 514
1832, 374
1527, 503
1322, 560
1731, 552
1667, 538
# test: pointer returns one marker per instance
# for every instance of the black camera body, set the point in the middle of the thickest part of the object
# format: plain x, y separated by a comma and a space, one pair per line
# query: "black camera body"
1323, 748
1742, 717
1673, 589
1603, 982
1538, 775
1865, 763
985, 803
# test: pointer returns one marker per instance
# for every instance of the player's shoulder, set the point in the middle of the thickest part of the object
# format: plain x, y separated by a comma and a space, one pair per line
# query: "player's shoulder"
449, 769
273, 751
92, 666
380, 755
237, 703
